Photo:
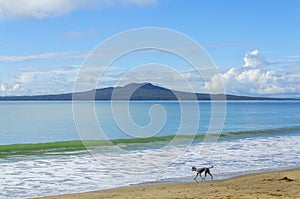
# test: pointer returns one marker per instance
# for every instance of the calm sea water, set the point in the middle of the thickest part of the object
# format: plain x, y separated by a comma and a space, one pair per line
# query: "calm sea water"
35, 122
257, 136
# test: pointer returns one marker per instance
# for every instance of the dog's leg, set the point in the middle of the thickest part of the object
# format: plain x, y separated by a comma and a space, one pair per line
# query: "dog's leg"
204, 176
201, 176
195, 178
210, 175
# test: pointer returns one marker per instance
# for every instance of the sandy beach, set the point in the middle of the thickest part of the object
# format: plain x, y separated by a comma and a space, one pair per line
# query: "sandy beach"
278, 184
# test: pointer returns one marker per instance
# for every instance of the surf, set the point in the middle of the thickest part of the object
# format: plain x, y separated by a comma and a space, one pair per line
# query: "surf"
67, 147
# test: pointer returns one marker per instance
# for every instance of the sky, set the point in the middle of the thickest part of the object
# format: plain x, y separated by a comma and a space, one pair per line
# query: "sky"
254, 44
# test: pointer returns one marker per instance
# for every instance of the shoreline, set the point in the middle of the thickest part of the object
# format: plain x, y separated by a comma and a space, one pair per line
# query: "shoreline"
274, 184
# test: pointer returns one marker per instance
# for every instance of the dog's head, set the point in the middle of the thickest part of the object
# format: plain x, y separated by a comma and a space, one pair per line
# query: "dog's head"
194, 168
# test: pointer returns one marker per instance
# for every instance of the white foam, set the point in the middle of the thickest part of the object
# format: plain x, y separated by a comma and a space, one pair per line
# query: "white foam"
51, 175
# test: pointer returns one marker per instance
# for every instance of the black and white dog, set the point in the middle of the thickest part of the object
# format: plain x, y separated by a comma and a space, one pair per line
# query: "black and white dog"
201, 170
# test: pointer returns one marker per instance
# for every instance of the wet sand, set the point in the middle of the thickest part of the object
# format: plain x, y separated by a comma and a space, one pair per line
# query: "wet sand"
278, 184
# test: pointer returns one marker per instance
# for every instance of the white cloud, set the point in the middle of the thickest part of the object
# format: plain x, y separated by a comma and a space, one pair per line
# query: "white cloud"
58, 80
2, 88
252, 80
67, 54
26, 77
16, 87
254, 59
40, 9
215, 85
11, 89
36, 8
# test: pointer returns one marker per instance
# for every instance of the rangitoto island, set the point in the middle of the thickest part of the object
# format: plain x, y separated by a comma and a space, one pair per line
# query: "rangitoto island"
134, 91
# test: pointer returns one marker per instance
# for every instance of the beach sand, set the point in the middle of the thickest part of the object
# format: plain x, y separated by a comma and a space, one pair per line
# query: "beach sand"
279, 184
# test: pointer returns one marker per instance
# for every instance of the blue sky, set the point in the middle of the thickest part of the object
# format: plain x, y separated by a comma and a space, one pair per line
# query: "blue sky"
255, 44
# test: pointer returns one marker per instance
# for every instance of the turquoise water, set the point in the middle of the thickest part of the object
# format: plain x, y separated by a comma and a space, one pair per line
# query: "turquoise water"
41, 153
38, 122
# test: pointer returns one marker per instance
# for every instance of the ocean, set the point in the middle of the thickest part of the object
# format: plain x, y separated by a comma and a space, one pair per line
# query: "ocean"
41, 153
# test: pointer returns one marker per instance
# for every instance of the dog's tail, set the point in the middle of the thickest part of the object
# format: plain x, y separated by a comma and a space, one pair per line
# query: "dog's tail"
211, 166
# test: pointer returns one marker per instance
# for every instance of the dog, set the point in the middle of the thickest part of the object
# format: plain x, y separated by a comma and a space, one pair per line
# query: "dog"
201, 170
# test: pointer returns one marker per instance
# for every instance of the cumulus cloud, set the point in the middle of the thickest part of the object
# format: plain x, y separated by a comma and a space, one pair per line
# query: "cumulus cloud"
252, 78
254, 59
2, 88
59, 80
8, 89
40, 9
16, 87
26, 77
